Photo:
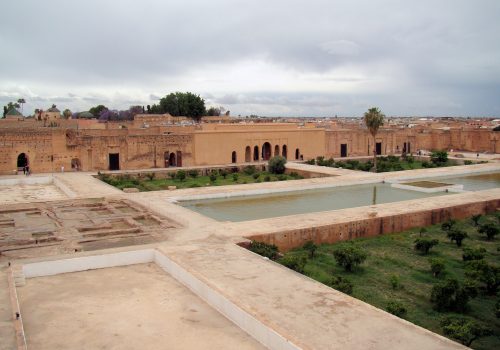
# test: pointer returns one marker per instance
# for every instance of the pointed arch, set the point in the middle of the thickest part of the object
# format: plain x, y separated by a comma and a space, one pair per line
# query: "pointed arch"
248, 154
284, 151
256, 153
266, 151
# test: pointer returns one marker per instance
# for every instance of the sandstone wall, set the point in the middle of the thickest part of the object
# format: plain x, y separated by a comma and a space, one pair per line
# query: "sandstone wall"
289, 239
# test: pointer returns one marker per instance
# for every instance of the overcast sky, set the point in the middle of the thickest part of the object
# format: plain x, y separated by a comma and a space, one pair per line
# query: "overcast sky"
274, 57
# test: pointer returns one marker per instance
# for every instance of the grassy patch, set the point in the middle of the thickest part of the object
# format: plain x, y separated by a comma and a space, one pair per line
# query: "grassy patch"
395, 272
384, 164
152, 184
426, 184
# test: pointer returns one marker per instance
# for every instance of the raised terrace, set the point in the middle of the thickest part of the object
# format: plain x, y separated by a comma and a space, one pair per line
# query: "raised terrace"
101, 268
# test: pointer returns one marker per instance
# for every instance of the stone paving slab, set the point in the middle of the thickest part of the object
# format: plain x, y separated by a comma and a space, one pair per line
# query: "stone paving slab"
7, 331
308, 313
127, 307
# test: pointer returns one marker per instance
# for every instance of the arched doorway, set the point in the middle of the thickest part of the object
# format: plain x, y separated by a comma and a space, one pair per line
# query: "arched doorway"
266, 151
256, 153
22, 160
179, 159
165, 159
276, 150
248, 154
297, 153
284, 151
233, 157
75, 164
171, 160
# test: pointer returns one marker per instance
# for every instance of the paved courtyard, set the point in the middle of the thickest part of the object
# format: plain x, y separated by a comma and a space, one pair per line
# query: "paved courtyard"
132, 307
123, 307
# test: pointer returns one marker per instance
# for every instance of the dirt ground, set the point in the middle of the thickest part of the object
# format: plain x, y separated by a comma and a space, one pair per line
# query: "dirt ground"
132, 307
29, 193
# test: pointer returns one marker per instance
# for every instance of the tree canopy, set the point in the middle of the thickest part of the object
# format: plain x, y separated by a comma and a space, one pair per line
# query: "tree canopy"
96, 111
374, 119
9, 106
184, 104
349, 256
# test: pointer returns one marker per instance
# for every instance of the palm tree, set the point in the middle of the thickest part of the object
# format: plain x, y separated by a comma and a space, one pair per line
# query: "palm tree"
374, 119
21, 101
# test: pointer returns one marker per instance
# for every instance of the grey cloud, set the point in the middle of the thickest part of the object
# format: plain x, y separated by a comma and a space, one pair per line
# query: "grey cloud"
443, 47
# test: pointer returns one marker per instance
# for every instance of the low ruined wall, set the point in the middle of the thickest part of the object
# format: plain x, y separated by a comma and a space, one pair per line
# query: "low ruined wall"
371, 227
306, 174
164, 173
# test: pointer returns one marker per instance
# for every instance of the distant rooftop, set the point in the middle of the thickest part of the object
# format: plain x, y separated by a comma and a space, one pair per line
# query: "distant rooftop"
13, 112
53, 109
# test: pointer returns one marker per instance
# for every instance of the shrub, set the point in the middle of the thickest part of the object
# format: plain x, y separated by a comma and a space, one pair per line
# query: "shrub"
294, 262
267, 178
330, 162
437, 266
396, 308
311, 248
383, 167
481, 271
422, 231
320, 161
249, 169
365, 166
392, 159
173, 175
354, 163
475, 219
194, 185
439, 158
470, 254
464, 330
150, 176
489, 229
349, 256
425, 164
256, 176
193, 173
282, 177
341, 284
277, 165
468, 162
448, 225
181, 175
268, 250
213, 177
295, 175
457, 235
410, 159
340, 164
310, 162
223, 173
397, 167
450, 295
235, 177
395, 282
423, 245
497, 309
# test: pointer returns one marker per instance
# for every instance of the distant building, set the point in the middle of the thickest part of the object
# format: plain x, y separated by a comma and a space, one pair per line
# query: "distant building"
13, 113
51, 114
